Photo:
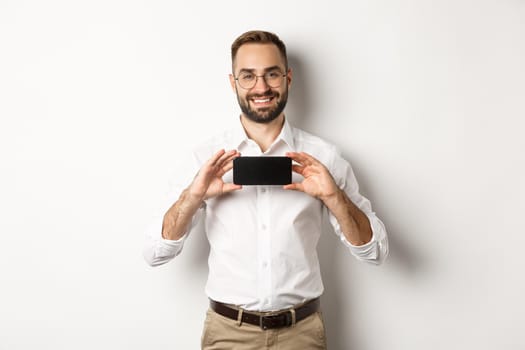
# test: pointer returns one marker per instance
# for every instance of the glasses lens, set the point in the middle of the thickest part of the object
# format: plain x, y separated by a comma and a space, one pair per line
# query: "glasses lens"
274, 79
247, 80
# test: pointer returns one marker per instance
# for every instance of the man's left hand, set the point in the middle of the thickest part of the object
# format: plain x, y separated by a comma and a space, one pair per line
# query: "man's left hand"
318, 182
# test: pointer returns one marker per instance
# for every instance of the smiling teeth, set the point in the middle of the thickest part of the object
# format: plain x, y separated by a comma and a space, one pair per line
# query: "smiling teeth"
262, 101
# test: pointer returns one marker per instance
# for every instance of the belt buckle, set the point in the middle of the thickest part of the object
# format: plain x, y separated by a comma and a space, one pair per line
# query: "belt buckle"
287, 320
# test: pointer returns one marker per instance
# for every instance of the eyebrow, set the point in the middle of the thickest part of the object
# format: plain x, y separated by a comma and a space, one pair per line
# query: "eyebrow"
252, 70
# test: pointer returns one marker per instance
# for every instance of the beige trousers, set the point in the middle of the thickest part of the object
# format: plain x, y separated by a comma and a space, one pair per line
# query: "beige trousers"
222, 333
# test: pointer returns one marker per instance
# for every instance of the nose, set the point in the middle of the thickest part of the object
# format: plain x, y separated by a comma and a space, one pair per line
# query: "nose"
260, 83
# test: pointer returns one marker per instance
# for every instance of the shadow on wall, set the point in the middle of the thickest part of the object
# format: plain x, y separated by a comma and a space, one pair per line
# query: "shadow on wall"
334, 270
300, 100
402, 255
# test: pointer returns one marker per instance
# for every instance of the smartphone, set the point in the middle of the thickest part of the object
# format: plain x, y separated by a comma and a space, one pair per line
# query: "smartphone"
262, 171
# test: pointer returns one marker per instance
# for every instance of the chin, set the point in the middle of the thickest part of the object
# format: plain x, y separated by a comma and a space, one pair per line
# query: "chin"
261, 120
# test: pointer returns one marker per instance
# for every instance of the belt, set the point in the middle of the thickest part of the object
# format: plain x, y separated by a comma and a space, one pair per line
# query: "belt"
268, 320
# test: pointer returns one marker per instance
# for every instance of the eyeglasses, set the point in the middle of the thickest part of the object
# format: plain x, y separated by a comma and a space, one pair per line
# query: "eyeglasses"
248, 80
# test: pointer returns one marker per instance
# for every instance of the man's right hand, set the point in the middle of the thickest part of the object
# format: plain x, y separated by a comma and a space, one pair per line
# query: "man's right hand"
208, 183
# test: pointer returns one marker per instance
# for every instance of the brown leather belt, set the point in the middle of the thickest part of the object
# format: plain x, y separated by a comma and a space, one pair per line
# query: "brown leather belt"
268, 320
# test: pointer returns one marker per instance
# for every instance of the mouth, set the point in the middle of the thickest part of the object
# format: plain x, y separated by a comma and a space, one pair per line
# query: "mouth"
264, 101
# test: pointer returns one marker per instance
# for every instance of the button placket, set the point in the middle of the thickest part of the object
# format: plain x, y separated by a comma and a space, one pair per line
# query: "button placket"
264, 243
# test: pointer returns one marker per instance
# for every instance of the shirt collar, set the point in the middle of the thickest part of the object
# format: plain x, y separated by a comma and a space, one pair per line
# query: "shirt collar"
238, 135
287, 135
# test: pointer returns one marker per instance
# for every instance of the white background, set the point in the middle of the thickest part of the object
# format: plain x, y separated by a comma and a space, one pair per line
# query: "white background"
99, 99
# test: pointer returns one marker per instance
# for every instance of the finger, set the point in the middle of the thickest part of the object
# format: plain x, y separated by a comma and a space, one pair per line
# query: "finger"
235, 154
226, 165
229, 187
227, 157
221, 159
301, 158
213, 160
225, 168
294, 187
293, 155
306, 171
309, 158
299, 169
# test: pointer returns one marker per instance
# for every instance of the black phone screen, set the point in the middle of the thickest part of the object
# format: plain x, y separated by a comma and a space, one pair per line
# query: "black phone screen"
262, 171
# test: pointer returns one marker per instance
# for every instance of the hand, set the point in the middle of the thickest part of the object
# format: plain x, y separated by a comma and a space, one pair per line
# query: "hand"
318, 182
208, 183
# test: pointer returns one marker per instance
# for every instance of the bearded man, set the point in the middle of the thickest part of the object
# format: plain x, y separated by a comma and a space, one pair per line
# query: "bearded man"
264, 281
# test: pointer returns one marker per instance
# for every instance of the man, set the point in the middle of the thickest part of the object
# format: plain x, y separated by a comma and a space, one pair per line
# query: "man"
264, 279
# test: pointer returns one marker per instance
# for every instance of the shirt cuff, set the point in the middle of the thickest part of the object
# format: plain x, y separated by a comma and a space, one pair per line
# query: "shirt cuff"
174, 243
165, 247
368, 251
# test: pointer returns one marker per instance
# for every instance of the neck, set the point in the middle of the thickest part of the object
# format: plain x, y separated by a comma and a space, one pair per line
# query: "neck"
263, 134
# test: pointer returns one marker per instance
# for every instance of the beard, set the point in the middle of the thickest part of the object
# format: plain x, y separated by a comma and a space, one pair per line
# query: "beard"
263, 115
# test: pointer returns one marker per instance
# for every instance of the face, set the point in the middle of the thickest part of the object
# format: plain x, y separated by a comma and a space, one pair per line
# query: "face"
261, 103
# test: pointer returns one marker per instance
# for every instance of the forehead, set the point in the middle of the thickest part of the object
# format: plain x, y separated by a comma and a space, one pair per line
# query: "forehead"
258, 56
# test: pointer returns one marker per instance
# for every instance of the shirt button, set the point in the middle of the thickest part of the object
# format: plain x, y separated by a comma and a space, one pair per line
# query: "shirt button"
263, 226
265, 264
263, 190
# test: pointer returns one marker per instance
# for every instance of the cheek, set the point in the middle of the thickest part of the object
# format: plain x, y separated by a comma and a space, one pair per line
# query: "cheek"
242, 97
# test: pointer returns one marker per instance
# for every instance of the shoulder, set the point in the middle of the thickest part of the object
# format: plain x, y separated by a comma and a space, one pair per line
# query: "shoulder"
314, 145
324, 151
209, 145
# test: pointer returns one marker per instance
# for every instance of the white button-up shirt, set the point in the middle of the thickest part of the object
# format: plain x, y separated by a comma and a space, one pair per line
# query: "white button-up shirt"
263, 239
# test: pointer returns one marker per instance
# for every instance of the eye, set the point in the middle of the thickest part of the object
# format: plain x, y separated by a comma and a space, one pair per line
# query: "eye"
247, 76
273, 75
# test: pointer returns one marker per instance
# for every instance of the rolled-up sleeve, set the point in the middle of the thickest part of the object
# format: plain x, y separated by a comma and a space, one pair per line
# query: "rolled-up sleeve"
157, 250
375, 251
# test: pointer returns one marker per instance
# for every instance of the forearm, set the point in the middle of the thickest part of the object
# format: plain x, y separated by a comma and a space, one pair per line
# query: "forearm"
353, 222
179, 216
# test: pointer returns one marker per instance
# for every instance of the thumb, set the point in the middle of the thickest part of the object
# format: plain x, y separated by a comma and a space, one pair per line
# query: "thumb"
294, 187
229, 187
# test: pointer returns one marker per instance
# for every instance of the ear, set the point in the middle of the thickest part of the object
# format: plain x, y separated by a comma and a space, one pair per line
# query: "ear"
232, 82
289, 77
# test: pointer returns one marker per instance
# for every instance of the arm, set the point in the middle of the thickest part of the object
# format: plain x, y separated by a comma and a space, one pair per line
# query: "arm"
361, 230
165, 237
353, 222
207, 184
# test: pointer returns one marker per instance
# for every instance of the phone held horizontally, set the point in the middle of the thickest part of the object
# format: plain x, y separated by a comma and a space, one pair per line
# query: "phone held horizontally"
262, 171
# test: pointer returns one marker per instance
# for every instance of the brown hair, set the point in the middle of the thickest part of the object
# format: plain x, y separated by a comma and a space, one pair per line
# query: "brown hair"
259, 37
